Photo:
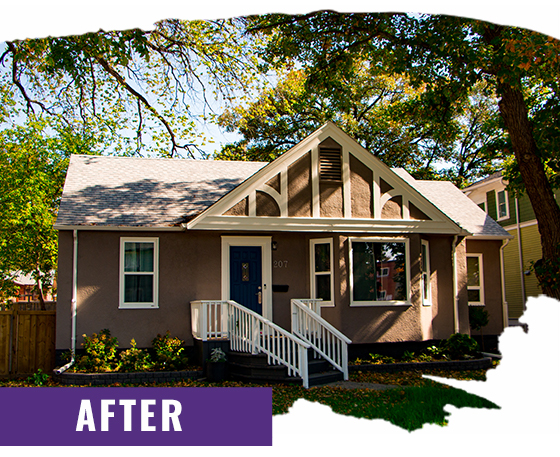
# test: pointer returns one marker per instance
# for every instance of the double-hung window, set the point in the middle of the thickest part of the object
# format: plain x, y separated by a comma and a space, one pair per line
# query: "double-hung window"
502, 205
138, 273
475, 280
379, 271
322, 280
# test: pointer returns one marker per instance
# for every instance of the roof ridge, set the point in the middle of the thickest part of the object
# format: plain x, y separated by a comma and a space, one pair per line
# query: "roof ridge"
165, 158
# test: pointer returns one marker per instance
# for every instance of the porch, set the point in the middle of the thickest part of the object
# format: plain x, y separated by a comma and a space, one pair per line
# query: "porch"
313, 353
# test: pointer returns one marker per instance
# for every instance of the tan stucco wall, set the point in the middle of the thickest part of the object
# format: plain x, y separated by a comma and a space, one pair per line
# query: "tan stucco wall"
441, 282
190, 269
361, 184
331, 199
299, 187
490, 251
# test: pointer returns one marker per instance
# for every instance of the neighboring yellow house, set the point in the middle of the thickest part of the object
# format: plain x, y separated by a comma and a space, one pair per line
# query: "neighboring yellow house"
514, 214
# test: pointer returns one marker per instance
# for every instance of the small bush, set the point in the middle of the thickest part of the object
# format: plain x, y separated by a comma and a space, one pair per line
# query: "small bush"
135, 359
459, 346
38, 379
168, 353
217, 355
408, 356
478, 317
378, 359
100, 353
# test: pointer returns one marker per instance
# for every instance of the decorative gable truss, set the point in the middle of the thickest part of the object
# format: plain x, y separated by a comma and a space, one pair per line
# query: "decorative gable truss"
327, 182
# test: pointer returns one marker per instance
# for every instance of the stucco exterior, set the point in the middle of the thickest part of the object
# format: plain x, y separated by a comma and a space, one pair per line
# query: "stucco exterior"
190, 269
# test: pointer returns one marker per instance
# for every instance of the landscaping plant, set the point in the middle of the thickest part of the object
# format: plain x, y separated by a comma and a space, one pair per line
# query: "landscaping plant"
135, 359
169, 353
38, 379
478, 318
459, 346
100, 353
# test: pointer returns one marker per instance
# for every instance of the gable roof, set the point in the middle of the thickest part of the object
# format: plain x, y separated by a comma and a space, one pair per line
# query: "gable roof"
142, 192
215, 216
453, 202
107, 192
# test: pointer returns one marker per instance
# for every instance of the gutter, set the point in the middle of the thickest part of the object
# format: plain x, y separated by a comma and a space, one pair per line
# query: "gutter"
74, 305
505, 311
455, 292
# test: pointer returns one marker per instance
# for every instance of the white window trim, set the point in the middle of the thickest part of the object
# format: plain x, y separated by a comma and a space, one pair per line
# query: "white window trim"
356, 304
426, 301
481, 276
503, 218
312, 243
147, 305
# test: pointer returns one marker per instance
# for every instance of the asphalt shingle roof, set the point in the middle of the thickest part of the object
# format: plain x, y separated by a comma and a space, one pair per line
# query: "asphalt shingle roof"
456, 205
126, 191
140, 192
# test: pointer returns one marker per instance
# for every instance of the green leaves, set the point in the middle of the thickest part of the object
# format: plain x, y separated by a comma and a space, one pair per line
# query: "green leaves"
33, 162
133, 90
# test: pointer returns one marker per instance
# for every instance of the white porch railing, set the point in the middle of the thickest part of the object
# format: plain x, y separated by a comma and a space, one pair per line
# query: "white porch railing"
250, 332
326, 340
314, 304
209, 319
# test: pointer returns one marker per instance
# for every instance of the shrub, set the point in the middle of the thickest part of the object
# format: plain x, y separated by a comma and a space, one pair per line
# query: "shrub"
478, 317
135, 359
100, 352
217, 355
39, 378
459, 346
378, 358
168, 353
408, 356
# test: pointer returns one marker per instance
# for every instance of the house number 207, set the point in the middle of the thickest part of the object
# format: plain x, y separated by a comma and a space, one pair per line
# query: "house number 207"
280, 264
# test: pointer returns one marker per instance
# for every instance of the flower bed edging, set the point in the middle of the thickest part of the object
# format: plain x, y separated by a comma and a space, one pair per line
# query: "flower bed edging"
458, 365
100, 379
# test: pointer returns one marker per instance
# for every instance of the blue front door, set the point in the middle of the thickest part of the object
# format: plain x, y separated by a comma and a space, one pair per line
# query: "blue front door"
245, 266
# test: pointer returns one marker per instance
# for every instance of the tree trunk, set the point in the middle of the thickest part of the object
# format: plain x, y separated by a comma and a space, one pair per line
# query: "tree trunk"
40, 289
515, 115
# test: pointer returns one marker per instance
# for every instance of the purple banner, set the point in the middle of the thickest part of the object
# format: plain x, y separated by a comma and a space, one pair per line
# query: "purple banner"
135, 416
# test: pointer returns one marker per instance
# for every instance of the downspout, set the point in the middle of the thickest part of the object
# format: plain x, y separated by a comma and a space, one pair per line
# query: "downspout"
74, 304
455, 292
520, 248
505, 311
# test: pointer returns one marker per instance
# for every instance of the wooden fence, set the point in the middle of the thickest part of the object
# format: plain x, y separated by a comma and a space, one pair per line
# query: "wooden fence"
27, 339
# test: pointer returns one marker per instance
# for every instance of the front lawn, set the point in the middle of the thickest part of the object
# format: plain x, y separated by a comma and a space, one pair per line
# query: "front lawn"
414, 401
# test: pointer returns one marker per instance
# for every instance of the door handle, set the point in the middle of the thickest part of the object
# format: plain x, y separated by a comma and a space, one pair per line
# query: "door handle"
259, 295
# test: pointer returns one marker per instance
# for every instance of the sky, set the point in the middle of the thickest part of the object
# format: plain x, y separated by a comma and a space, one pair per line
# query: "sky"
526, 383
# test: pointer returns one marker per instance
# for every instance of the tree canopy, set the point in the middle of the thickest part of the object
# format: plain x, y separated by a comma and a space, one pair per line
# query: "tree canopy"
135, 90
33, 163
449, 55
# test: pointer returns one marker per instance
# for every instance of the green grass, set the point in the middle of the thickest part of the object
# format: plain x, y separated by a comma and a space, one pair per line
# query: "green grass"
414, 402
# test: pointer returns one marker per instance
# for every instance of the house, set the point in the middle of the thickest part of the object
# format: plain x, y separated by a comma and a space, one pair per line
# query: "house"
515, 214
150, 245
26, 289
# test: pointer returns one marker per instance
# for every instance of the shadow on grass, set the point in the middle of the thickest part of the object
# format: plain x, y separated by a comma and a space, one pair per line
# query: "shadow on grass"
407, 407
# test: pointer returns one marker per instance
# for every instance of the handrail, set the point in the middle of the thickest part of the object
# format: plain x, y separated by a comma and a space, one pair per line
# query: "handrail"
250, 332
314, 304
326, 340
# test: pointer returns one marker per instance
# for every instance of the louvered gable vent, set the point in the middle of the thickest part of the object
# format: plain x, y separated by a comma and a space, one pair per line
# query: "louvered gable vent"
330, 162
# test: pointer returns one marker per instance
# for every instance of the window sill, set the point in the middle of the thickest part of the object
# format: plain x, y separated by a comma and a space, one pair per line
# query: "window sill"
392, 304
138, 306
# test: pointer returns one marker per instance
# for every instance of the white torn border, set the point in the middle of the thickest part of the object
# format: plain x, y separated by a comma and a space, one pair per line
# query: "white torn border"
526, 383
